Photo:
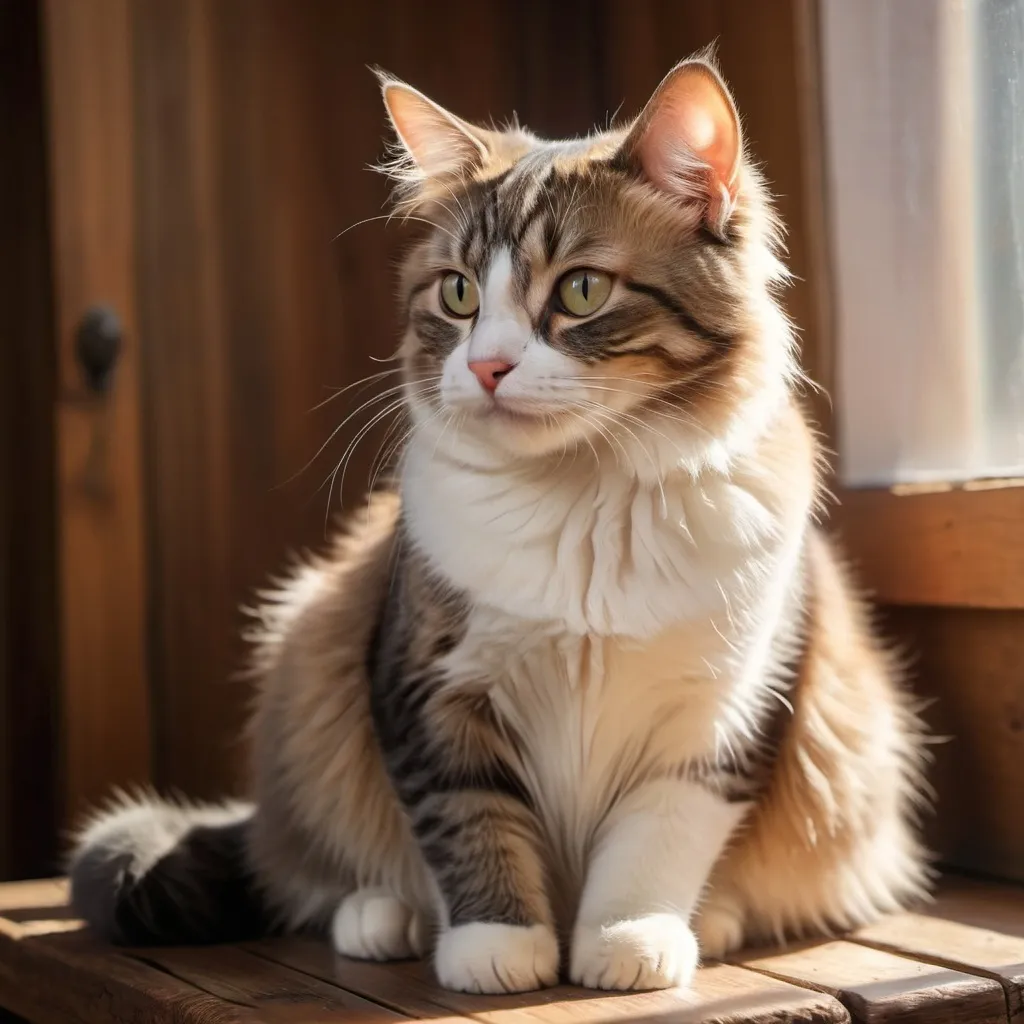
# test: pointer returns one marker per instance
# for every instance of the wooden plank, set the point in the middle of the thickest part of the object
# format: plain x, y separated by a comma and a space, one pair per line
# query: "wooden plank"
994, 905
105, 711
952, 944
958, 547
44, 892
275, 991
720, 992
878, 987
968, 661
974, 925
406, 988
69, 978
36, 908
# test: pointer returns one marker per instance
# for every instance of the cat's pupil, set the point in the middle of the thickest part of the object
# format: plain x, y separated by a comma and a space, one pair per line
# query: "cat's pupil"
460, 287
585, 287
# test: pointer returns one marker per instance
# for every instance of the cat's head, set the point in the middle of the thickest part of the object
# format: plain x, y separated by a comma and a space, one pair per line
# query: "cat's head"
609, 288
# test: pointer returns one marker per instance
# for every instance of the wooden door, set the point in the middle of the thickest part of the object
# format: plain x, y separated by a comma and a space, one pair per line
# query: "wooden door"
208, 182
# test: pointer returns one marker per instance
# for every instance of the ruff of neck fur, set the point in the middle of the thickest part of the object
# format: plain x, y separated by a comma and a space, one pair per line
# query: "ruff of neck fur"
589, 542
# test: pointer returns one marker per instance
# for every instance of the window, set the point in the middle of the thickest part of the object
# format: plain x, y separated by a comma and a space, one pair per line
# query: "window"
924, 139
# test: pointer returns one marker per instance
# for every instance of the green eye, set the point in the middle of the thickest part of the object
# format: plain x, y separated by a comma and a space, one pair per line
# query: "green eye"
584, 291
459, 295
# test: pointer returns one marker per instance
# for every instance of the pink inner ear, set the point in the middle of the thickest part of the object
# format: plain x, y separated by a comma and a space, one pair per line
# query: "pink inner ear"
414, 119
436, 140
692, 114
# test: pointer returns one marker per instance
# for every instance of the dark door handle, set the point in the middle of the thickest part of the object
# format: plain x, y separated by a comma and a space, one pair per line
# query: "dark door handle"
97, 346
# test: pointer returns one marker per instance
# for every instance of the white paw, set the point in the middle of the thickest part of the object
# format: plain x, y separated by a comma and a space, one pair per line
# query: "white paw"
654, 951
719, 930
485, 957
372, 924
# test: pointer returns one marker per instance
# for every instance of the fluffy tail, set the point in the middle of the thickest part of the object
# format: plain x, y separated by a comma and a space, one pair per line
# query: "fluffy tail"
150, 872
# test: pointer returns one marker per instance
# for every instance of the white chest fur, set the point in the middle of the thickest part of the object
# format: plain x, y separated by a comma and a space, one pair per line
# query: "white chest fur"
597, 551
621, 627
590, 713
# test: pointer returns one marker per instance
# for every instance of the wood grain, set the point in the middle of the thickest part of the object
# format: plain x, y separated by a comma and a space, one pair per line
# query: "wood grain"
105, 704
981, 904
719, 993
877, 986
275, 992
968, 662
67, 978
955, 961
961, 947
955, 548
29, 654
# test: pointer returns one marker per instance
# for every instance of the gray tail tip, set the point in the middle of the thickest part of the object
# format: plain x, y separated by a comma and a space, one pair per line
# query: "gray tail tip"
150, 872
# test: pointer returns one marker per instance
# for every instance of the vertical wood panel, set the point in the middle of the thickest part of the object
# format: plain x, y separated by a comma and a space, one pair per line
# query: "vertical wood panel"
28, 604
187, 381
970, 663
102, 573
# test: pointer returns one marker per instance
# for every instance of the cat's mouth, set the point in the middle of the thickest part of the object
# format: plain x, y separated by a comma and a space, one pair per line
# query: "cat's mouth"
518, 411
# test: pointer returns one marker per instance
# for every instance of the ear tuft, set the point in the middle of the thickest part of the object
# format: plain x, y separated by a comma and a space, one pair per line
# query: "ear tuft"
687, 140
432, 142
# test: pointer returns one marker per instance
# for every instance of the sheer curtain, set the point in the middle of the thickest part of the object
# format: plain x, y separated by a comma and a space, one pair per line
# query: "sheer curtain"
924, 132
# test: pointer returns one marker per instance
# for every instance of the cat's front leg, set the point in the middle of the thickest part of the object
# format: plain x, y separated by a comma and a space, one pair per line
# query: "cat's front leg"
650, 862
497, 927
477, 832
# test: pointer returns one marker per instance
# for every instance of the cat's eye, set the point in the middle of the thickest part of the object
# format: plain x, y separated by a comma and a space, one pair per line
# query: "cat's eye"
583, 292
459, 295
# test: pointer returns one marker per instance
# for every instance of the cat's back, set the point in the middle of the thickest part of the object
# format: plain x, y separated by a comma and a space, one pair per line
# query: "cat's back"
335, 595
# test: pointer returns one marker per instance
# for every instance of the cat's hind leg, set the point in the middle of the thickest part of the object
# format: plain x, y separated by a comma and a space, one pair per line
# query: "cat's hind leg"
374, 924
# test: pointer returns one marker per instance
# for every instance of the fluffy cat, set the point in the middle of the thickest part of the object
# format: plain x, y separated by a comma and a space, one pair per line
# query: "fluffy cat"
587, 691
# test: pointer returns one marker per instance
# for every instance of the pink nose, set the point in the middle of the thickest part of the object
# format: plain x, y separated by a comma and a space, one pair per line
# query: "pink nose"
490, 372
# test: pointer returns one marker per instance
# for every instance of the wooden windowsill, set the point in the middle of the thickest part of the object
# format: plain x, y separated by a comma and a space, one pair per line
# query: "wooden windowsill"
957, 546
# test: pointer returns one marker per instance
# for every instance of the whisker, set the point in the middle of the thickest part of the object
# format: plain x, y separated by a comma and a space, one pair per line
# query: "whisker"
650, 458
350, 450
354, 384
389, 217
610, 437
334, 433
590, 444
384, 452
464, 221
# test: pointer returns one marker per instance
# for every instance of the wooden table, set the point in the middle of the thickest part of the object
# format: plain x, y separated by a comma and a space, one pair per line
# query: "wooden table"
960, 960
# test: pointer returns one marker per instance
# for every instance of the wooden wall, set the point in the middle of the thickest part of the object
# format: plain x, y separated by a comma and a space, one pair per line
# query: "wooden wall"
970, 662
28, 601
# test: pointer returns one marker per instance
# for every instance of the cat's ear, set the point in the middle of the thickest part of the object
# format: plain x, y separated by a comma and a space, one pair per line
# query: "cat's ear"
687, 140
435, 141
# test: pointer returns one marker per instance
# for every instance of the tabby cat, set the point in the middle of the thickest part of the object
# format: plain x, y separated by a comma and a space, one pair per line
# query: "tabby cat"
587, 692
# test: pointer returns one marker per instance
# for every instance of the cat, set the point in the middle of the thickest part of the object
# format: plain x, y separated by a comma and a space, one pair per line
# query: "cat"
587, 692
